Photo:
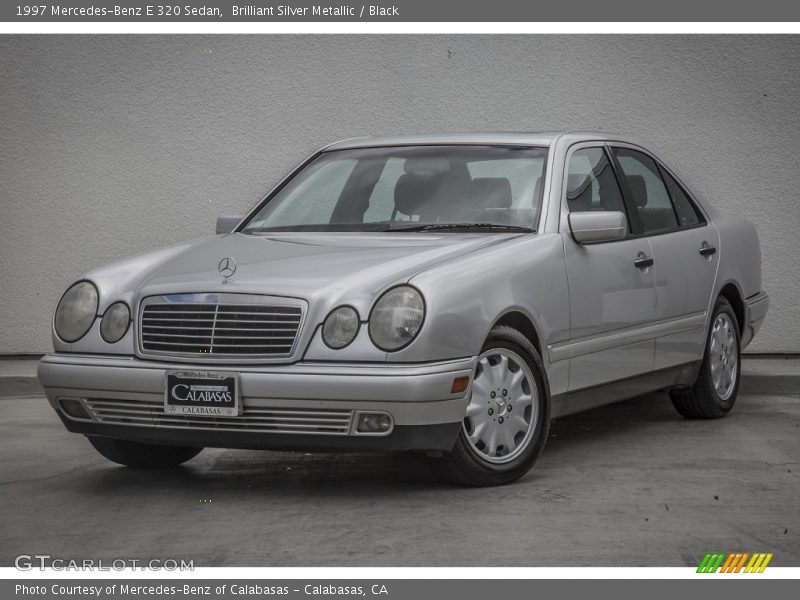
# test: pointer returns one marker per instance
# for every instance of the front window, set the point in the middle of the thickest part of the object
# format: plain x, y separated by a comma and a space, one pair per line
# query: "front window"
591, 183
408, 188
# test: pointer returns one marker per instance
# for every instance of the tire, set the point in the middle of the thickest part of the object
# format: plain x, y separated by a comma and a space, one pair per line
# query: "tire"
714, 393
478, 462
142, 456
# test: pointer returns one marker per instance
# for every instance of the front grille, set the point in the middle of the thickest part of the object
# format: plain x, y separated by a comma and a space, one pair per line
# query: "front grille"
209, 329
259, 420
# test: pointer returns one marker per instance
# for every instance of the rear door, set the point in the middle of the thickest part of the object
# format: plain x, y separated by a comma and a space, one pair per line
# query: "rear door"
684, 250
611, 299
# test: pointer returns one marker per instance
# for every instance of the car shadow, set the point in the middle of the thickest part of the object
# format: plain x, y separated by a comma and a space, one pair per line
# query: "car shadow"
611, 420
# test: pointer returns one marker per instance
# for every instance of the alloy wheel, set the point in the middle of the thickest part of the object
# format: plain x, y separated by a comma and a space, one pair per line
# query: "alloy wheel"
724, 356
503, 409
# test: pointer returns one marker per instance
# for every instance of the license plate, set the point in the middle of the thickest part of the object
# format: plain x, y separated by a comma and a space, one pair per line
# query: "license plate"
202, 393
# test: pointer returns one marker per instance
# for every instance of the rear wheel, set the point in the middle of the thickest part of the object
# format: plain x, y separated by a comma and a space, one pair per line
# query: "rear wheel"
508, 416
142, 456
714, 393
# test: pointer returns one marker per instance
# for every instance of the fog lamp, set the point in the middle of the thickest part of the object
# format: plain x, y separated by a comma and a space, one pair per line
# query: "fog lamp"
74, 408
374, 423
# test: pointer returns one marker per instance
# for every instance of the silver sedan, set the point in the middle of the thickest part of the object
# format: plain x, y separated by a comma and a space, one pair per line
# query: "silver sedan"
447, 294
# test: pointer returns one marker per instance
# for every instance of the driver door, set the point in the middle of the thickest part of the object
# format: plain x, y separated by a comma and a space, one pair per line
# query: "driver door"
612, 287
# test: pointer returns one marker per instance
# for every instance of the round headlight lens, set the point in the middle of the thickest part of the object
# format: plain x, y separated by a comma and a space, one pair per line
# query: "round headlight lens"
340, 327
76, 311
396, 318
115, 322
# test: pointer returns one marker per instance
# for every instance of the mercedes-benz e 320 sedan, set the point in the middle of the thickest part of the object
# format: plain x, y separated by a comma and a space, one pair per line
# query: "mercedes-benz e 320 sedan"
448, 294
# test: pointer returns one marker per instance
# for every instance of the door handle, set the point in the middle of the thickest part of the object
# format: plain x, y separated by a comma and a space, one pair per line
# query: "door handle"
642, 261
706, 250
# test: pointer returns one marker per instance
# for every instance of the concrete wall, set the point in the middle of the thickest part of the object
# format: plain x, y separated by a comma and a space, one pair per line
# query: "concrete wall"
111, 145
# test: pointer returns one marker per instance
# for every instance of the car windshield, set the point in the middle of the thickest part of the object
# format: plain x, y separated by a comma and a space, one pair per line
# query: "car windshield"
411, 188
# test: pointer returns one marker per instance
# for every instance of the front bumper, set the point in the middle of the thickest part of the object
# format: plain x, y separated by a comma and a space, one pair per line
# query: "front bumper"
299, 406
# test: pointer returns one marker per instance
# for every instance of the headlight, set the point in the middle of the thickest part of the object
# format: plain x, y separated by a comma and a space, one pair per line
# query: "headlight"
396, 318
115, 322
340, 327
76, 311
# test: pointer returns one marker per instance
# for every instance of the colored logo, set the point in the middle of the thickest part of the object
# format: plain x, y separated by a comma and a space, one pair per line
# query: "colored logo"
734, 562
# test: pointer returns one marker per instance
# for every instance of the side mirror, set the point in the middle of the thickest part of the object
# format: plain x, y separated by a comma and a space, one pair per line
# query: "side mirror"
596, 227
226, 223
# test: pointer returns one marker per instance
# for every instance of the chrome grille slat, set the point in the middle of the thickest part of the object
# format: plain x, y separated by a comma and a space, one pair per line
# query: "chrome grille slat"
216, 345
220, 325
221, 318
232, 309
182, 319
181, 335
156, 324
278, 411
124, 419
237, 316
282, 419
257, 419
228, 337
218, 328
167, 314
268, 337
185, 421
117, 411
146, 407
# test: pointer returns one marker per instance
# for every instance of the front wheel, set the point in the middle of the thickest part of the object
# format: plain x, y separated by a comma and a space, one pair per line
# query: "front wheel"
508, 416
142, 456
714, 393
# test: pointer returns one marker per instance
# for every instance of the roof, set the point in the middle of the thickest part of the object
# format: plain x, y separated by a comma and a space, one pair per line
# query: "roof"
498, 138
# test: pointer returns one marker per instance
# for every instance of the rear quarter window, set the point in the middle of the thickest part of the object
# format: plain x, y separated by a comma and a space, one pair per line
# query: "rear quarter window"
688, 214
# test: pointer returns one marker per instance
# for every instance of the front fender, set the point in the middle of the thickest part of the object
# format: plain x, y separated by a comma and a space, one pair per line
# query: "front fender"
466, 296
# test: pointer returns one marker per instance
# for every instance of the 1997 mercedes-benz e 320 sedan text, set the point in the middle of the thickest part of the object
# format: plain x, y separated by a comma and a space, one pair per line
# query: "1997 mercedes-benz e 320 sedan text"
448, 294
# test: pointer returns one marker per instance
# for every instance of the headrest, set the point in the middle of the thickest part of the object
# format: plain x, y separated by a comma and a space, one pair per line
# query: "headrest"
414, 190
491, 192
579, 192
426, 166
638, 190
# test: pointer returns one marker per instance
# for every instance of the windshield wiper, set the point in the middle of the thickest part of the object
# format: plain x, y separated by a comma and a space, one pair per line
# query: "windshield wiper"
322, 227
461, 227
384, 226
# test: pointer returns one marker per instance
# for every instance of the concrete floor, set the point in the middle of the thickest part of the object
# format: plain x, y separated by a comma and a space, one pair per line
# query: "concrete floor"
626, 485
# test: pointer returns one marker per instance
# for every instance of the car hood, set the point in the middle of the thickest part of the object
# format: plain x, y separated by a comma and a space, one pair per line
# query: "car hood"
303, 265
